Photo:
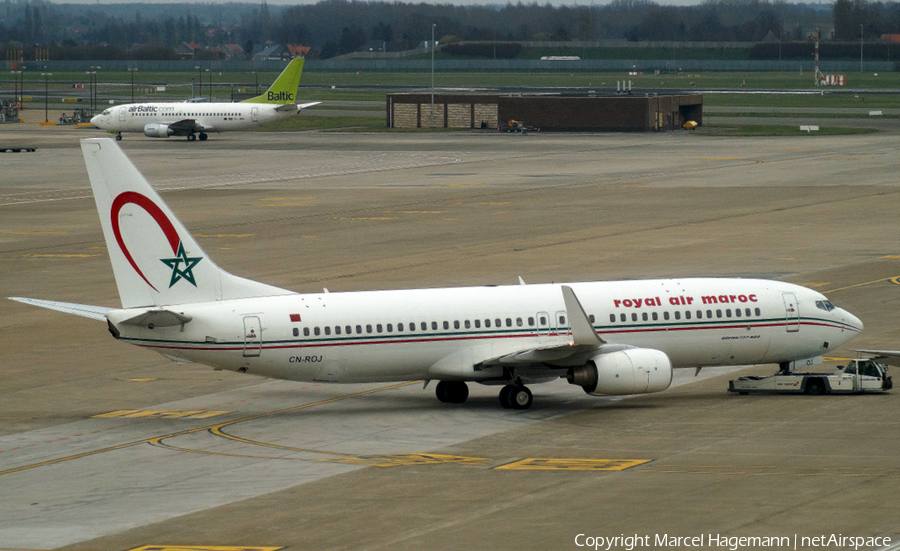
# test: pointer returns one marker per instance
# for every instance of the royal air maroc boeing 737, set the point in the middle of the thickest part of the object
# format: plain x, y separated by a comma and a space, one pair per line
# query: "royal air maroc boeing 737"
607, 337
197, 119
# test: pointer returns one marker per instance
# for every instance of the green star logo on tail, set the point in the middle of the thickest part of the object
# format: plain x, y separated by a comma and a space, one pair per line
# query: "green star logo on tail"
178, 273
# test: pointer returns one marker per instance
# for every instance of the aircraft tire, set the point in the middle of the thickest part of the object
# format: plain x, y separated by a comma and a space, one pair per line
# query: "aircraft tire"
504, 397
118, 137
520, 397
203, 136
452, 392
191, 137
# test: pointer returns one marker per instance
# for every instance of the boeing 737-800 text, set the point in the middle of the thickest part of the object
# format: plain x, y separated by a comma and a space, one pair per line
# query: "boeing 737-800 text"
198, 119
613, 337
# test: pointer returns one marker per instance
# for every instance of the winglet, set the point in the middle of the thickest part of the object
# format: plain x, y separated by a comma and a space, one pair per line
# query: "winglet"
582, 329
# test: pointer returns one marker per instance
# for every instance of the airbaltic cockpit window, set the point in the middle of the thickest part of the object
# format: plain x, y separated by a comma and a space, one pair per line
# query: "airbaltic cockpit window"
106, 111
824, 305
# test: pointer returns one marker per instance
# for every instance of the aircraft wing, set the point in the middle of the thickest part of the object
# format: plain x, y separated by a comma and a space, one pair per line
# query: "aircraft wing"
890, 357
186, 126
84, 310
584, 340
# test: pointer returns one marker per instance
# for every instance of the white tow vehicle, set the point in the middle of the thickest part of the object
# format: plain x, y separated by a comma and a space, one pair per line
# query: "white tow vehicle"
858, 376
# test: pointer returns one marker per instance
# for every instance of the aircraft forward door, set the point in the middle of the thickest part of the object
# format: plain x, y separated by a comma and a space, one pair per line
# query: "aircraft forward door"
252, 336
121, 115
254, 114
792, 312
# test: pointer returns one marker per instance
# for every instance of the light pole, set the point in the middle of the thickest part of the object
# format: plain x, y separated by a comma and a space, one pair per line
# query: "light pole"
96, 75
860, 48
432, 74
132, 71
46, 95
16, 76
91, 75
199, 80
210, 85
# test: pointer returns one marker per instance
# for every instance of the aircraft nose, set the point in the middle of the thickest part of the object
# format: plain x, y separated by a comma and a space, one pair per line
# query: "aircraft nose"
853, 321
95, 120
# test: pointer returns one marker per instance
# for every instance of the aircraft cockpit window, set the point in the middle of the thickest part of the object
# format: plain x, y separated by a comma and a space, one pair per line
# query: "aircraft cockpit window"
106, 111
824, 305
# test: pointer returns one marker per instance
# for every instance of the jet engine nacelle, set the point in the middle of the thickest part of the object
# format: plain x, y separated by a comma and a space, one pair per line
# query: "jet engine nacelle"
157, 130
630, 371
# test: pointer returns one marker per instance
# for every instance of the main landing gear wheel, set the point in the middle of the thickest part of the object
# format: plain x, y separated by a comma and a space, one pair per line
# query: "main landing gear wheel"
119, 137
516, 397
203, 136
191, 137
452, 392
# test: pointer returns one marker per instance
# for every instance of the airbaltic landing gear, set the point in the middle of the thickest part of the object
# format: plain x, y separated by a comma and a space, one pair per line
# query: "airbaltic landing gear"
453, 392
515, 397
203, 136
118, 136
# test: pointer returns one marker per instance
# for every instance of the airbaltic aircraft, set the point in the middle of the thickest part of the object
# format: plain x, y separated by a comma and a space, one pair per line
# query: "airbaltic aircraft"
193, 119
616, 337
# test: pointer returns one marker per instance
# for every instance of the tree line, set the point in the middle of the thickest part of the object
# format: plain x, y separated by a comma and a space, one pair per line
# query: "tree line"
336, 27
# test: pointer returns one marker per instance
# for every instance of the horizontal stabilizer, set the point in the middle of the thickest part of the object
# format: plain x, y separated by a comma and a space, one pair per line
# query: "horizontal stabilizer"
157, 318
84, 310
296, 106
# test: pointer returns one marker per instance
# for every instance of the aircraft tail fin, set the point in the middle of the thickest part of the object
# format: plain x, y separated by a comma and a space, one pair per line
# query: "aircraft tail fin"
284, 89
155, 260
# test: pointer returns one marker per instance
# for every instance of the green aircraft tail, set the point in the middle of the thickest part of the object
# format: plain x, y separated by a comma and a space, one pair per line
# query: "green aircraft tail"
284, 89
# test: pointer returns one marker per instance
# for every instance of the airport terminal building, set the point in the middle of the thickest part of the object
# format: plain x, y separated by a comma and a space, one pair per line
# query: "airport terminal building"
618, 113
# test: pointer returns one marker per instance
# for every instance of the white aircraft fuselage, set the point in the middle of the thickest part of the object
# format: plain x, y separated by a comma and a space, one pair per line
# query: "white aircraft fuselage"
445, 333
207, 117
608, 337
197, 119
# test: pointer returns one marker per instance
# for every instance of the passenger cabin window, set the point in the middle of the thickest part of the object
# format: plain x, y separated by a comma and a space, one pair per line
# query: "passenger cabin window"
296, 332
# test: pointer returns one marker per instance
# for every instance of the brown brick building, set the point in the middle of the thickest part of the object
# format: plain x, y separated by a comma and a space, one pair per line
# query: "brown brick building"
627, 113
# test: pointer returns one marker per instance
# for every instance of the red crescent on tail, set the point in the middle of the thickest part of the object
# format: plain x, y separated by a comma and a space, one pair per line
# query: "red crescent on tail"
153, 210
